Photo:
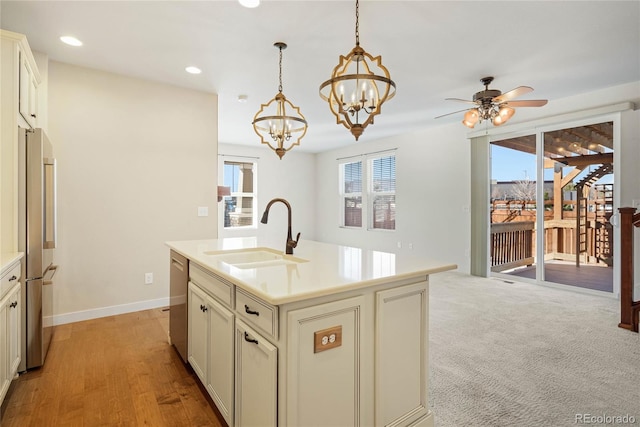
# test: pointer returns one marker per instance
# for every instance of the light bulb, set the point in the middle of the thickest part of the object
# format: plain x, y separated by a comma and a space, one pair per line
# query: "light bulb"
471, 118
249, 3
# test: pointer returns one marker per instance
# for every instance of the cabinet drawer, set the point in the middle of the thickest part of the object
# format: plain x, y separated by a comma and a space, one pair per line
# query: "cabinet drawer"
10, 279
259, 313
214, 285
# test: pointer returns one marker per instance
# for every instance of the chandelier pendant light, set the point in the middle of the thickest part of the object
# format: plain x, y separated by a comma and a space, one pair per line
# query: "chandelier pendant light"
358, 87
278, 122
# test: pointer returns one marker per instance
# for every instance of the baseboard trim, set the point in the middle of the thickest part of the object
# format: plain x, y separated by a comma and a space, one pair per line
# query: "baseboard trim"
78, 316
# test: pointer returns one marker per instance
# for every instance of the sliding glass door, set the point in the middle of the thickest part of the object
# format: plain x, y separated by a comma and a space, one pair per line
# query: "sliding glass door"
551, 200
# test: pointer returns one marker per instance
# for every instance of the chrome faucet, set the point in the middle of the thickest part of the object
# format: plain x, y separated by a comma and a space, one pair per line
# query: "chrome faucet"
265, 217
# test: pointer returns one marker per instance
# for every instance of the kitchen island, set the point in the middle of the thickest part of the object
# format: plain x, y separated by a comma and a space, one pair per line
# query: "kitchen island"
330, 336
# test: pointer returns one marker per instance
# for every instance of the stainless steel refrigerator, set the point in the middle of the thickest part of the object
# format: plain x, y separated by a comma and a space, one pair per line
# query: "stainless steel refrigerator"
37, 239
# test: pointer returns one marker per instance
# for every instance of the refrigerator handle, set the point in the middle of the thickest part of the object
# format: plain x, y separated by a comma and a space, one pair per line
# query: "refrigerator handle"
50, 204
51, 268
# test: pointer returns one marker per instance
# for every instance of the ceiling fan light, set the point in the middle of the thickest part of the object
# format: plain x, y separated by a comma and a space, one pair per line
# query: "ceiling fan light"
471, 117
503, 116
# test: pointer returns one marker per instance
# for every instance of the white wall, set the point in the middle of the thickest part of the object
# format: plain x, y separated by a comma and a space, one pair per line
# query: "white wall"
292, 178
135, 160
432, 196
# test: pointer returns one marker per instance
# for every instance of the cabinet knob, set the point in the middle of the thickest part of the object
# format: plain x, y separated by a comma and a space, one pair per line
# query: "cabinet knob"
249, 311
33, 115
203, 308
249, 339
12, 278
13, 304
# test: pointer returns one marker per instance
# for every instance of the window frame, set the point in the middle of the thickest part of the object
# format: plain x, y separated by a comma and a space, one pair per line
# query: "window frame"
344, 195
224, 160
367, 192
372, 193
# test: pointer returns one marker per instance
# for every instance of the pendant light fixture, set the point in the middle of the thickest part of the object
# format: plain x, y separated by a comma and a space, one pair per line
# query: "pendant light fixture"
358, 87
279, 122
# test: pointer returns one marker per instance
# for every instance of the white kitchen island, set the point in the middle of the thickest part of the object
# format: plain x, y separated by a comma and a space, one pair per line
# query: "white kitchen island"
330, 336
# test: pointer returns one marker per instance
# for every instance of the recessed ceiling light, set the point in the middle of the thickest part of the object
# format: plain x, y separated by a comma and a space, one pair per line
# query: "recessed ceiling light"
193, 70
71, 41
242, 98
250, 3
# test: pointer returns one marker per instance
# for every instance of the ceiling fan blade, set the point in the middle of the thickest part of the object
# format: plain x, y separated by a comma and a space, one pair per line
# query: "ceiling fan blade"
528, 103
460, 100
448, 114
514, 93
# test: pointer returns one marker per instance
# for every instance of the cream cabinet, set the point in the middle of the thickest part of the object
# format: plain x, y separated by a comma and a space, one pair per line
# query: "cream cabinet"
256, 378
19, 103
10, 309
28, 90
221, 363
325, 377
353, 358
211, 343
198, 332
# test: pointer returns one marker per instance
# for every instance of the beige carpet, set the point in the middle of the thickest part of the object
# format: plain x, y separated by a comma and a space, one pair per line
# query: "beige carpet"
525, 355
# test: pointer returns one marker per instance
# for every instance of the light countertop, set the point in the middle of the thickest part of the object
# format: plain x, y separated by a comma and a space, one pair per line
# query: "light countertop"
7, 259
322, 268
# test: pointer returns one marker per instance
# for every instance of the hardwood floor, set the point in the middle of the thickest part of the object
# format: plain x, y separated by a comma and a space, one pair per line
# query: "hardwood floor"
113, 371
586, 276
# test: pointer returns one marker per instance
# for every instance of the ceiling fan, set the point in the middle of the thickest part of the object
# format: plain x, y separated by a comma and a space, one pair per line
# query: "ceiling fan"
491, 104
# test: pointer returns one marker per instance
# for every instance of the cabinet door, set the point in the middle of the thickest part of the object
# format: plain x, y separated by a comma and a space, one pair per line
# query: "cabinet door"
198, 332
26, 92
256, 378
5, 380
401, 354
221, 333
326, 365
13, 333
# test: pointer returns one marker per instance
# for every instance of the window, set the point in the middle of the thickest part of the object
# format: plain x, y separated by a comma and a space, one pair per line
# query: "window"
382, 190
379, 196
352, 194
240, 206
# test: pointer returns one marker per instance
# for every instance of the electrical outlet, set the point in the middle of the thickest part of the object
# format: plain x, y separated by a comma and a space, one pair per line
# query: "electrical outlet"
203, 211
148, 278
636, 204
327, 339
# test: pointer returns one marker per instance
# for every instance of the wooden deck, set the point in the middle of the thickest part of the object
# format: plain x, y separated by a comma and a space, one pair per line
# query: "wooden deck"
598, 278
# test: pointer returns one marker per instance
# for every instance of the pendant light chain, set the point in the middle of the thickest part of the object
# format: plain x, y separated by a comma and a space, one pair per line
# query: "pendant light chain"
280, 85
357, 23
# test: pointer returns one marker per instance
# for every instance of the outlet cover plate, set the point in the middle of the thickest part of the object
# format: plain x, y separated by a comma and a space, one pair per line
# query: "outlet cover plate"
327, 339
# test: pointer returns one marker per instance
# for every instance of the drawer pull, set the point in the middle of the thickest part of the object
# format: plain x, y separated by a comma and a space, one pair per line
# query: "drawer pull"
249, 311
12, 278
247, 339
13, 304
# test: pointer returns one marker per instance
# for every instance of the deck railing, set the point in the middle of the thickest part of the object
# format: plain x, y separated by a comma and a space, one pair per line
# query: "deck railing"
629, 308
511, 245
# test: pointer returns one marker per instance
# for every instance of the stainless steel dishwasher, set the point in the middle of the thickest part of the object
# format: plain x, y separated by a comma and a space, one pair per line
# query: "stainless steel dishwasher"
178, 314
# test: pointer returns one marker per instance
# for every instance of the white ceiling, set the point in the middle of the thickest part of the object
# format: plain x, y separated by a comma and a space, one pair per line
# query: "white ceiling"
433, 50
